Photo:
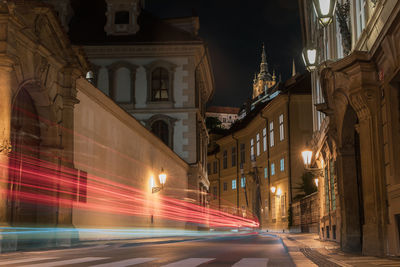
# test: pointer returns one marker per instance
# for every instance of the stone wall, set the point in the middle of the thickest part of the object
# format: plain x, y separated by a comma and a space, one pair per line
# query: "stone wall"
306, 214
112, 145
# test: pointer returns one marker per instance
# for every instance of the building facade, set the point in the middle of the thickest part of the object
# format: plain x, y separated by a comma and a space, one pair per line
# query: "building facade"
157, 70
68, 152
226, 115
255, 168
356, 123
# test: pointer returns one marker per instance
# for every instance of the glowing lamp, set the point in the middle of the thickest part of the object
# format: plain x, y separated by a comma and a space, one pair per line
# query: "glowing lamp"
163, 177
316, 181
273, 189
279, 192
310, 58
325, 9
307, 155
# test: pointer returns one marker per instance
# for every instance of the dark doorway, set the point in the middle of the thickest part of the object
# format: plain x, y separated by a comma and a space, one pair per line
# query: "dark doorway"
25, 141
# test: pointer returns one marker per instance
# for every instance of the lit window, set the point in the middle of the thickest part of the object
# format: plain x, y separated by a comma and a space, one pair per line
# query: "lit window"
281, 128
243, 182
271, 134
258, 144
266, 172
282, 165
233, 184
272, 168
265, 139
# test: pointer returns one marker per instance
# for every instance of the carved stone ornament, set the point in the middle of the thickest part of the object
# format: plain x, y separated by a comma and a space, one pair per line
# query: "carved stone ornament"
5, 147
374, 2
342, 14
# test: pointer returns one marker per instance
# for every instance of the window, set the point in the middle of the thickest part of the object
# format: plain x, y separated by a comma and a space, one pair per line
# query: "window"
271, 134
225, 159
243, 182
161, 129
327, 206
242, 153
215, 192
266, 208
332, 183
209, 168
265, 172
159, 85
360, 13
234, 159
215, 167
121, 81
225, 186
281, 128
273, 209
265, 139
339, 40
82, 187
283, 205
251, 149
282, 165
233, 184
272, 168
122, 17
258, 144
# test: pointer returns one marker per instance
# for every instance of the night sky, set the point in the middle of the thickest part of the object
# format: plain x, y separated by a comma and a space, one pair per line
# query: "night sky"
235, 31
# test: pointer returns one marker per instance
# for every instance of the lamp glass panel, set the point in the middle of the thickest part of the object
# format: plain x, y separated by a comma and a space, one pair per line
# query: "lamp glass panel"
312, 56
324, 6
307, 154
163, 178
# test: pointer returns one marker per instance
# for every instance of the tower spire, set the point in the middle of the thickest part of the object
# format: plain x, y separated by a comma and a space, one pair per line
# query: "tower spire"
264, 74
294, 69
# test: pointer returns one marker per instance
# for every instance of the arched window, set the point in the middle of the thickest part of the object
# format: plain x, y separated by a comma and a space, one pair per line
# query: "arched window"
160, 85
161, 129
123, 87
122, 17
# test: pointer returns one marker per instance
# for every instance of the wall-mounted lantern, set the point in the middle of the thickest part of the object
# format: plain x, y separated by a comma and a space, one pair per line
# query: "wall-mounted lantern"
310, 58
325, 10
162, 178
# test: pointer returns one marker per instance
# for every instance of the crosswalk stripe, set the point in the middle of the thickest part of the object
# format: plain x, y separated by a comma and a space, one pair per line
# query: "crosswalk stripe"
66, 262
9, 262
191, 262
125, 263
252, 262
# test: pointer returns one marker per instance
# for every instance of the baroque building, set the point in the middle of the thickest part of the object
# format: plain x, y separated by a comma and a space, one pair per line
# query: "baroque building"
356, 123
69, 151
255, 166
158, 70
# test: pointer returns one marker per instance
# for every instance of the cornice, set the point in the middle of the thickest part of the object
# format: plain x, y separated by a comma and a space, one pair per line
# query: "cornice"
149, 50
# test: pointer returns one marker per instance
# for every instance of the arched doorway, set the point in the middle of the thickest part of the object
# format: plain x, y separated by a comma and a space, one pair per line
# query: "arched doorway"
351, 184
25, 141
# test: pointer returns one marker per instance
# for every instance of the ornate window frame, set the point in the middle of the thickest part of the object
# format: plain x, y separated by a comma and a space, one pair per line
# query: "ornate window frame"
170, 67
111, 79
169, 121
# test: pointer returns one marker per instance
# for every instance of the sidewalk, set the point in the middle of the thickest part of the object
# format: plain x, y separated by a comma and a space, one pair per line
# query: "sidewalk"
308, 250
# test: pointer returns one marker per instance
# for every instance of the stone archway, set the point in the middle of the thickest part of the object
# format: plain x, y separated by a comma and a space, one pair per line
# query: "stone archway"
350, 180
25, 142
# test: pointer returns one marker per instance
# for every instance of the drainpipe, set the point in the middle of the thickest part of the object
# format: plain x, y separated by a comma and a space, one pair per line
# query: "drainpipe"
268, 162
237, 171
290, 152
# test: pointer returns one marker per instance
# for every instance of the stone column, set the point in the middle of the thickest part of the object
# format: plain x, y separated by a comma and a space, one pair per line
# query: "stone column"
5, 134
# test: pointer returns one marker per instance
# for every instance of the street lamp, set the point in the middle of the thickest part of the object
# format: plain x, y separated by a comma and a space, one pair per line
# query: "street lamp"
310, 58
163, 178
324, 10
307, 157
273, 189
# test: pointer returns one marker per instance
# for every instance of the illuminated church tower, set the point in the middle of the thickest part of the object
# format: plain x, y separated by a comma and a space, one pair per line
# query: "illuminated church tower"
264, 80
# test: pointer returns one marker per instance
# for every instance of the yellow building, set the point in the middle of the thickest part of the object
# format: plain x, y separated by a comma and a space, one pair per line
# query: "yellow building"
255, 166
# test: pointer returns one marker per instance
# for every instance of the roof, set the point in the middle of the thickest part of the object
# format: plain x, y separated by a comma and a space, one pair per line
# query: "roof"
219, 109
299, 84
87, 27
